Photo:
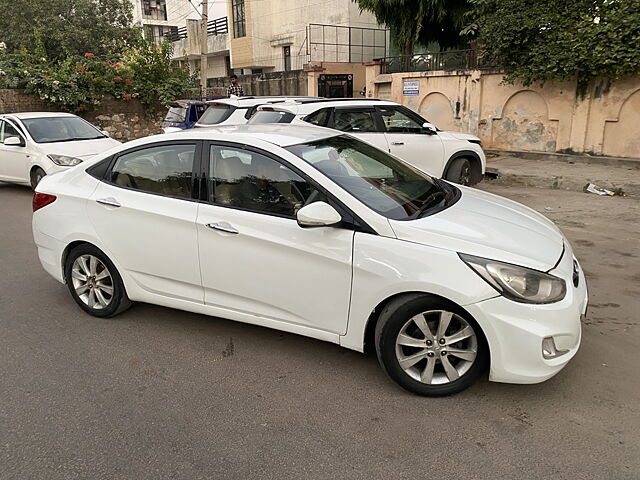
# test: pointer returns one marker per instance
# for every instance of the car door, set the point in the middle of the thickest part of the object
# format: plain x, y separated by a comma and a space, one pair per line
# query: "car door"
255, 258
409, 141
361, 122
144, 213
14, 159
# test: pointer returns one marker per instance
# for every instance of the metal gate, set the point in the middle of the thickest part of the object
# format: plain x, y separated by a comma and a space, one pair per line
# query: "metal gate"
335, 86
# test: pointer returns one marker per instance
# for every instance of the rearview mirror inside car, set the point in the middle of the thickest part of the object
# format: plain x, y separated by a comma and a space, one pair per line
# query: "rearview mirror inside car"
318, 214
13, 142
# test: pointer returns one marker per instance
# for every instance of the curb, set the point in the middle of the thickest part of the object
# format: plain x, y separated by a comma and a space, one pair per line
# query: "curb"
568, 158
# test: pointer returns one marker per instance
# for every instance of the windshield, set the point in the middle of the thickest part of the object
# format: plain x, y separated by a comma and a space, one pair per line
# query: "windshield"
271, 116
60, 129
176, 115
216, 114
383, 183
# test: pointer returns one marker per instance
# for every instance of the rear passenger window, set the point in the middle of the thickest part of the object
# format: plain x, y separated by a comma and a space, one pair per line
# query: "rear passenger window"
319, 118
165, 169
354, 120
252, 181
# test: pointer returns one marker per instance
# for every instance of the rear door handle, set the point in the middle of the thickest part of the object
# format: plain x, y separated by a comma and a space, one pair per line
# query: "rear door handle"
109, 201
222, 228
397, 143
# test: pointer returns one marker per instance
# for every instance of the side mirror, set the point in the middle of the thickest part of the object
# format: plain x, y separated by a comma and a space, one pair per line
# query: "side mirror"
318, 214
13, 142
105, 133
429, 128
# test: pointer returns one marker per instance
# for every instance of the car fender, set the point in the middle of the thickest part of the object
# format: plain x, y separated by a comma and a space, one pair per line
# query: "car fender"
466, 154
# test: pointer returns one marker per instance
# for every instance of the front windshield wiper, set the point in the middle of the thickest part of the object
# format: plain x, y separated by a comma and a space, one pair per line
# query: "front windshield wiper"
75, 139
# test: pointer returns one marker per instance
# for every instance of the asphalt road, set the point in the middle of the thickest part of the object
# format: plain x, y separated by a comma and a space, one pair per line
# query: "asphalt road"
158, 393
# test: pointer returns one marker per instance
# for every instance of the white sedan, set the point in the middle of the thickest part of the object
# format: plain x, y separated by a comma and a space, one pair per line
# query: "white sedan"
312, 231
36, 144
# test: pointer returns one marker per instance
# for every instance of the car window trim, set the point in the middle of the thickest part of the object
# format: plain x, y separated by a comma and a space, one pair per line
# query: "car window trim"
197, 160
353, 221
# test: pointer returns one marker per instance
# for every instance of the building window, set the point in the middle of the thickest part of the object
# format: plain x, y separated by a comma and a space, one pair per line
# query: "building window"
154, 9
237, 9
156, 33
286, 53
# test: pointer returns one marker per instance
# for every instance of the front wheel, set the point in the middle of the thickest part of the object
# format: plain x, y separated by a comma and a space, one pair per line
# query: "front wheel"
460, 171
36, 175
430, 346
94, 282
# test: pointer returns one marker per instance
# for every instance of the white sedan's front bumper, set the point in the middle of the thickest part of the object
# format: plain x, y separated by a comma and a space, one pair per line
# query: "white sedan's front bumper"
515, 331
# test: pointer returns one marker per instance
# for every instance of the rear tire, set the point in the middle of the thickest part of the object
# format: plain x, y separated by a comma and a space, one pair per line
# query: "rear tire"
37, 174
430, 346
94, 282
460, 171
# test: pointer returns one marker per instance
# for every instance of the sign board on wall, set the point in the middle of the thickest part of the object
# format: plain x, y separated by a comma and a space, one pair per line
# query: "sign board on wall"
411, 87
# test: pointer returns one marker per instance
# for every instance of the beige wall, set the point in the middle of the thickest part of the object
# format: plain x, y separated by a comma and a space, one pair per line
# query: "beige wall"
603, 119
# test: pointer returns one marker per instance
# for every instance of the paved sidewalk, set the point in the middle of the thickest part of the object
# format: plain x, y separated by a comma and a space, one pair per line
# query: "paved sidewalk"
558, 174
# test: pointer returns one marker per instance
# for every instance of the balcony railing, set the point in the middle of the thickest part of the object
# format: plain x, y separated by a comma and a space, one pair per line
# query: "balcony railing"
218, 26
431, 61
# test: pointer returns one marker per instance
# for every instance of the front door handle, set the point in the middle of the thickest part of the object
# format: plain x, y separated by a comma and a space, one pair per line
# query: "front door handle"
397, 143
109, 201
222, 228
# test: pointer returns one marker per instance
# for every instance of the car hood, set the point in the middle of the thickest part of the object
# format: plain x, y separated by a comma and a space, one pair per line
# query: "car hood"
83, 149
488, 226
458, 136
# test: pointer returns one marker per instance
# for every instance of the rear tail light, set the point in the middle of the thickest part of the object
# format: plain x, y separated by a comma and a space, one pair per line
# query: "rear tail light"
42, 200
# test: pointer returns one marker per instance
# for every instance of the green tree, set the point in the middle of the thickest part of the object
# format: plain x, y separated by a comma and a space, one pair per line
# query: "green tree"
421, 22
67, 27
539, 40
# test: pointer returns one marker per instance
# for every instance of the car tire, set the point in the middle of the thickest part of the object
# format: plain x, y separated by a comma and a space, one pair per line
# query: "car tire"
94, 282
460, 171
37, 174
426, 364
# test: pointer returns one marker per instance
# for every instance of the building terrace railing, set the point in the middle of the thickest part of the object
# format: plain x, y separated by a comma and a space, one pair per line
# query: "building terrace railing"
218, 26
431, 61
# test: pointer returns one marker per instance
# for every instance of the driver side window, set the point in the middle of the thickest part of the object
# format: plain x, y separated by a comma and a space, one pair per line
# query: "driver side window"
396, 121
7, 130
252, 181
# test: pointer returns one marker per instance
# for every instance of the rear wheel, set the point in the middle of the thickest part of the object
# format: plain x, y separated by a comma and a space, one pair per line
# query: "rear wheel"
94, 282
460, 171
430, 346
37, 174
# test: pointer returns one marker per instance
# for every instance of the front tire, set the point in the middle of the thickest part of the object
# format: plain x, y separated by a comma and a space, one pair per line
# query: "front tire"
37, 174
94, 282
460, 171
430, 346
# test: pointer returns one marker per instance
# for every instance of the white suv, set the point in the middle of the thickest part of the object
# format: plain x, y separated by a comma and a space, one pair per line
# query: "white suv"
238, 110
457, 157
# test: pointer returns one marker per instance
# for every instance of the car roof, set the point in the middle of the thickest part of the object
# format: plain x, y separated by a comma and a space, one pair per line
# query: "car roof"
253, 101
313, 105
186, 102
283, 135
24, 115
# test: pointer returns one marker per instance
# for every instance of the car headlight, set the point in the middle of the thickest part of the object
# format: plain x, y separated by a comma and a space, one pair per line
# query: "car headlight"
519, 284
64, 160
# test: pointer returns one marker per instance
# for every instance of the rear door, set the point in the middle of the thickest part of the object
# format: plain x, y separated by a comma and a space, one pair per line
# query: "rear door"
410, 142
145, 212
361, 122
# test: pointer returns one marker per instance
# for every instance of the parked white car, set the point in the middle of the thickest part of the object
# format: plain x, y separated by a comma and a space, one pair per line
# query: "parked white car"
314, 232
454, 156
238, 110
36, 144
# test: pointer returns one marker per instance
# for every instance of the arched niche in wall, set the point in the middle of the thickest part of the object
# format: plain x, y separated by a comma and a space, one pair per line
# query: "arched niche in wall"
436, 107
524, 124
621, 137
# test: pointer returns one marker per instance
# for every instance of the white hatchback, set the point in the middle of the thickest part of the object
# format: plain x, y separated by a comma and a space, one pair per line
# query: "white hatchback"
36, 144
314, 232
454, 156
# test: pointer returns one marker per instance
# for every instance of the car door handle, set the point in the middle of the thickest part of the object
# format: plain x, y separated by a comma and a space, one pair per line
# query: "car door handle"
222, 228
109, 201
397, 143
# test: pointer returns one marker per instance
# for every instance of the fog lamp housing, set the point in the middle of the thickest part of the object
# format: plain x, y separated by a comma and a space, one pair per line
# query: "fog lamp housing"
549, 349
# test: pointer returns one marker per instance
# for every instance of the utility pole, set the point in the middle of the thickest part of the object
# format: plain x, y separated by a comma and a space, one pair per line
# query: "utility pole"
204, 47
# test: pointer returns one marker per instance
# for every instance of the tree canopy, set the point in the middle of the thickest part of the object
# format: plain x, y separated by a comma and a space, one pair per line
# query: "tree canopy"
539, 40
420, 22
69, 27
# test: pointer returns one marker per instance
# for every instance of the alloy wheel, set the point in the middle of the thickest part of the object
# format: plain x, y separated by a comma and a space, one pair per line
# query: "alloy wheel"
436, 347
92, 281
